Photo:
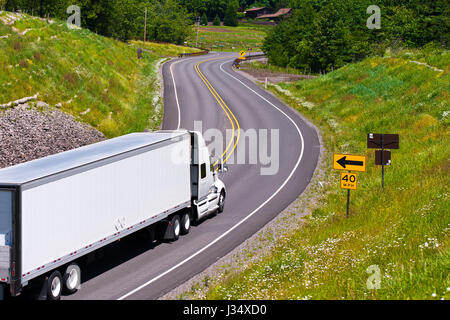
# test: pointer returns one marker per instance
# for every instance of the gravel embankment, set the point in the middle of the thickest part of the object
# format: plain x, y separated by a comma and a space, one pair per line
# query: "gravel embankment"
28, 133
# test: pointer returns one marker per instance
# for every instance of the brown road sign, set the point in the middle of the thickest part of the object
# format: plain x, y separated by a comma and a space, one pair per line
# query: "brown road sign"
382, 158
383, 141
349, 162
349, 181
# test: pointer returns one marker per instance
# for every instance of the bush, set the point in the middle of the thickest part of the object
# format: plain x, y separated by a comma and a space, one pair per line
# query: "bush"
240, 15
204, 20
169, 23
216, 21
230, 18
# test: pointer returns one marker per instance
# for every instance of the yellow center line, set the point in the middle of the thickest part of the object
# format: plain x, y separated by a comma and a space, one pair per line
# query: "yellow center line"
225, 108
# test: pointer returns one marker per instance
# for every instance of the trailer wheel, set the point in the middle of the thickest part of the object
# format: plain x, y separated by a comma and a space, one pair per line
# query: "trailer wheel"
72, 279
176, 227
185, 223
54, 285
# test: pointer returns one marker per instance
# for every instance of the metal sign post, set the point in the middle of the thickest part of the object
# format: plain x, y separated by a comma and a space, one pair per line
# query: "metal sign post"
198, 28
383, 141
349, 181
382, 162
348, 202
145, 26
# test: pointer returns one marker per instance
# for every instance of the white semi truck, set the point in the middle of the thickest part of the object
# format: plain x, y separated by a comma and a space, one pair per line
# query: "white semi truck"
58, 209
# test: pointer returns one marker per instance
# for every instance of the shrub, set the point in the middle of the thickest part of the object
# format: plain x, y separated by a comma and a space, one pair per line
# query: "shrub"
17, 46
71, 79
24, 64
204, 20
230, 18
216, 21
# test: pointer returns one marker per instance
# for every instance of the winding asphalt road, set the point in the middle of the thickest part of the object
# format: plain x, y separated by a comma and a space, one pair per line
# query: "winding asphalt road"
220, 98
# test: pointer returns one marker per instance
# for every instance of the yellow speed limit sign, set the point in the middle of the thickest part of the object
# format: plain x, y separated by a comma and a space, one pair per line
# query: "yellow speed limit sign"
349, 181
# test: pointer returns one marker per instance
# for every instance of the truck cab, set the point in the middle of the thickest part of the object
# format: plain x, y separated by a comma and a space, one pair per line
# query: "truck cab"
208, 191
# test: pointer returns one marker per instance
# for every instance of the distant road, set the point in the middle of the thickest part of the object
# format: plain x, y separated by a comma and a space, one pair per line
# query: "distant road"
207, 89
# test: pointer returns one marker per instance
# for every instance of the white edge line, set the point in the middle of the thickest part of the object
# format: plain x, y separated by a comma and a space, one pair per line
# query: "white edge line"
176, 94
247, 217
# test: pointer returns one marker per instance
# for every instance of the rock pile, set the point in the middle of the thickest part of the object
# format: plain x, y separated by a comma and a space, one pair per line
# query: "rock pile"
28, 133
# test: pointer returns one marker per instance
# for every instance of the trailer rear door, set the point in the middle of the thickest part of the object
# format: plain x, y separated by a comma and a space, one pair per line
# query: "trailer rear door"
5, 217
6, 201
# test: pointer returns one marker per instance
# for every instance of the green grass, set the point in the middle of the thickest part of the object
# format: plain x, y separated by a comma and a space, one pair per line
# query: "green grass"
82, 70
163, 49
258, 65
403, 229
230, 38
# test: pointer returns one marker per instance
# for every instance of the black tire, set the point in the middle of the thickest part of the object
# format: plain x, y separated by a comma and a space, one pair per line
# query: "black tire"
185, 223
72, 278
176, 227
54, 285
221, 202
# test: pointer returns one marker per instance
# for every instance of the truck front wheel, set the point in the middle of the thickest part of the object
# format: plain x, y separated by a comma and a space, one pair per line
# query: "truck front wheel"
221, 203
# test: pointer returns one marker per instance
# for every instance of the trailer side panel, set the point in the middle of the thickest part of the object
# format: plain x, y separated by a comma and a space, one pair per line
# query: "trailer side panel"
66, 215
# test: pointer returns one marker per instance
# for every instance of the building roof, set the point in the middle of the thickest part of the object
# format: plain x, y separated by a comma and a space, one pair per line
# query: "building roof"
61, 162
255, 9
279, 13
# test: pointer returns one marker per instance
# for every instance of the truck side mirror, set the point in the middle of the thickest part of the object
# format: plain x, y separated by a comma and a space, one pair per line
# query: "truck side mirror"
221, 167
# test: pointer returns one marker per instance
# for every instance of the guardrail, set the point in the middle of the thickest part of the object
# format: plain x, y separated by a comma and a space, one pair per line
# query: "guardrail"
238, 61
200, 53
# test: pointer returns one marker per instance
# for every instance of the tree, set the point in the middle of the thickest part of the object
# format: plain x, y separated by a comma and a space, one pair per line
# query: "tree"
216, 21
322, 35
169, 22
204, 20
230, 18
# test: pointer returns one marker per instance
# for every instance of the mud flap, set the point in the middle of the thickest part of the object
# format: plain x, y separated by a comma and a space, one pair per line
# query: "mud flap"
165, 230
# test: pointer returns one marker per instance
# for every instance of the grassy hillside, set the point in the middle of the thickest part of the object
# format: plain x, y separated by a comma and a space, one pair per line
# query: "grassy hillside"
230, 38
163, 49
404, 230
96, 79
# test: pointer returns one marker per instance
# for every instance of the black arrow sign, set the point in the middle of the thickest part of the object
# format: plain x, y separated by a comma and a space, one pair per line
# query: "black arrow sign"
344, 162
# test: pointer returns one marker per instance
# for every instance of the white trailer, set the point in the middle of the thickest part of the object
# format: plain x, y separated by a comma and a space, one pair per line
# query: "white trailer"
57, 209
